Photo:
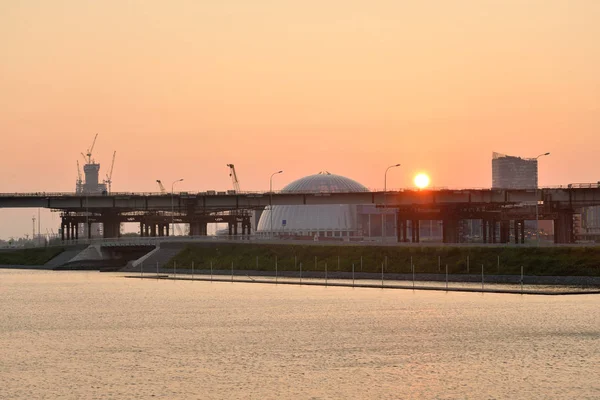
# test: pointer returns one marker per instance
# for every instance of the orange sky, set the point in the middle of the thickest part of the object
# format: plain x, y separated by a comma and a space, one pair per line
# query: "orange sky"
182, 88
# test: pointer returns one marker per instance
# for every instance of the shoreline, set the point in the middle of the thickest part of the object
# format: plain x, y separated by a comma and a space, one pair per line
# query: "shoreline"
326, 283
585, 281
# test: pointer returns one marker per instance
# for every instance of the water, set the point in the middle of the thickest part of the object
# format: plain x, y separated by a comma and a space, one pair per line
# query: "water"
78, 335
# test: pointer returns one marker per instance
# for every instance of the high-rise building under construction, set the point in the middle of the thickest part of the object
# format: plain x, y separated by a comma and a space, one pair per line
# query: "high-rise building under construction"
510, 172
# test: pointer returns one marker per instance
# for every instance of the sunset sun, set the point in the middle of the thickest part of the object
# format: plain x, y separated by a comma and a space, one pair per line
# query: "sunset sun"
421, 181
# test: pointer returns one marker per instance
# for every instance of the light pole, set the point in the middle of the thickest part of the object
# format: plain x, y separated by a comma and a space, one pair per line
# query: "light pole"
271, 199
537, 202
173, 208
384, 201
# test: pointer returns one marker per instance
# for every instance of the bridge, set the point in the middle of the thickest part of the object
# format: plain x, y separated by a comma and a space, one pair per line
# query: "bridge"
500, 210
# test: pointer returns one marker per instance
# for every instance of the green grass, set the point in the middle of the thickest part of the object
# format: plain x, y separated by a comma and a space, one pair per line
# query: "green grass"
580, 261
34, 256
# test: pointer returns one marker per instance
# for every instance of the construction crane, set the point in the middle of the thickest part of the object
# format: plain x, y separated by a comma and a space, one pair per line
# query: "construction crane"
109, 175
79, 179
162, 188
89, 151
234, 178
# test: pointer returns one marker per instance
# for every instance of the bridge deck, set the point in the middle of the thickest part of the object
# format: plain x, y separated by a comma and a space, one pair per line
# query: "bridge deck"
564, 197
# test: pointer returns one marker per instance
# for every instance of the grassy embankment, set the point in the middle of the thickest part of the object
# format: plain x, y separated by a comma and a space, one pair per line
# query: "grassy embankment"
559, 261
33, 256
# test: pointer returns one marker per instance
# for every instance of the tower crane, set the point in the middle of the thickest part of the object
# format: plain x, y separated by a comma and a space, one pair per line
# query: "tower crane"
109, 175
234, 178
89, 151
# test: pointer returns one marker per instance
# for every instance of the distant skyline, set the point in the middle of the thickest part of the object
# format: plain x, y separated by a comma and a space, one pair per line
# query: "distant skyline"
180, 89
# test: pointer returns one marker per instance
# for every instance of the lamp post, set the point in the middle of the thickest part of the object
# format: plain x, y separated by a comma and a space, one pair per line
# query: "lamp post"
271, 199
384, 201
537, 202
173, 207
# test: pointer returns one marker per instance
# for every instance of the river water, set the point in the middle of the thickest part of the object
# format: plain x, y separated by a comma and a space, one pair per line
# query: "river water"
86, 335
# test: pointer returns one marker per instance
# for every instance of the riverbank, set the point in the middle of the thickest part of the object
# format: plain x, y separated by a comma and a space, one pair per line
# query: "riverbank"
31, 267
37, 256
498, 261
545, 290
573, 281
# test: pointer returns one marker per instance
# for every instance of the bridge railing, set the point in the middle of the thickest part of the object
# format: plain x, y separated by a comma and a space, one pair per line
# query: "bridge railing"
594, 185
230, 193
156, 240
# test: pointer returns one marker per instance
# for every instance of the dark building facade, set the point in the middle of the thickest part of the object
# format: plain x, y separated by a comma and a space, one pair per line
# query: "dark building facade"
510, 172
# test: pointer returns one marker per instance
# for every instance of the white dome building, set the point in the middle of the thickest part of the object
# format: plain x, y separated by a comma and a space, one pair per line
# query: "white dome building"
327, 220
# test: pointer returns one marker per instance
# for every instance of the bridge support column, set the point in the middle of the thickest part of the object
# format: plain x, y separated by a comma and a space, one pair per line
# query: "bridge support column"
230, 228
450, 228
563, 227
484, 230
161, 230
197, 229
112, 226
417, 228
402, 228
504, 231
492, 225
414, 230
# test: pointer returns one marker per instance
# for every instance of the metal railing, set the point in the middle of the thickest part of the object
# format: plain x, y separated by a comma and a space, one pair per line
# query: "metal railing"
595, 185
258, 239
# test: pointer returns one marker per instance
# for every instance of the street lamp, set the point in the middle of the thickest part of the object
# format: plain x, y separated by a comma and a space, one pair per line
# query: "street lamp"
537, 202
173, 207
384, 200
271, 199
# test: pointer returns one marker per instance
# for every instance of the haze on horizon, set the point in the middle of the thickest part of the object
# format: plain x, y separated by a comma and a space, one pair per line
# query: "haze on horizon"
180, 89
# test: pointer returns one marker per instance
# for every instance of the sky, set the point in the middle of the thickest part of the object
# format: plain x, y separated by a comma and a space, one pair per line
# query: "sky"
180, 89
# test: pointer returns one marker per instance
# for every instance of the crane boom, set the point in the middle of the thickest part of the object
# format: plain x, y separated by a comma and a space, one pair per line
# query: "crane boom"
109, 175
234, 178
90, 150
79, 186
79, 180
160, 185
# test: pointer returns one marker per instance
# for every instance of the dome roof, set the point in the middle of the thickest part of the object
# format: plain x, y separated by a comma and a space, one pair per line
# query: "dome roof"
307, 220
324, 182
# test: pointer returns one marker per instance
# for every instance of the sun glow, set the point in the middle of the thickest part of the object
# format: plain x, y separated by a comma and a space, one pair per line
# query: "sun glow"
421, 181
